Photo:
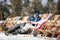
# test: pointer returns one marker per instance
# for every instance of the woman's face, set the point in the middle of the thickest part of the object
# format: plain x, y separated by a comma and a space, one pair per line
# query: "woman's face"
44, 16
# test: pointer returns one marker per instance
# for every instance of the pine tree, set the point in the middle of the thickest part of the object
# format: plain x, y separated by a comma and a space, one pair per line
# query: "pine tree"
52, 6
23, 7
58, 7
16, 6
4, 11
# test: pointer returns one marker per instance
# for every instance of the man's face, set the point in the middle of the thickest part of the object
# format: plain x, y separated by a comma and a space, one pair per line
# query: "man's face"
35, 16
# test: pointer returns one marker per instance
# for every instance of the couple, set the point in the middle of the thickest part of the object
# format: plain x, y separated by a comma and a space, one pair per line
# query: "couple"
28, 25
43, 20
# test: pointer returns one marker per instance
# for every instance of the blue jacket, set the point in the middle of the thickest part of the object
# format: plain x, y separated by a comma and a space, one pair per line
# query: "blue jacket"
32, 18
37, 19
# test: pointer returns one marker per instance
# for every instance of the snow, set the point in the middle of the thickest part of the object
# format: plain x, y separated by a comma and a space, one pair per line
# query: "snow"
1, 21
23, 37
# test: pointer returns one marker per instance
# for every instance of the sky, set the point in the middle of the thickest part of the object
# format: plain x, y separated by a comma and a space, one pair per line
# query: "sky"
45, 1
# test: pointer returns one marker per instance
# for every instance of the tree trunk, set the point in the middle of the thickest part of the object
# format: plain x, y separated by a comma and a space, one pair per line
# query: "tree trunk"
58, 7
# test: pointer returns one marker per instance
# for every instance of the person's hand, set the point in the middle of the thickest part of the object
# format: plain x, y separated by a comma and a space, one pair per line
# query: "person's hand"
29, 22
51, 14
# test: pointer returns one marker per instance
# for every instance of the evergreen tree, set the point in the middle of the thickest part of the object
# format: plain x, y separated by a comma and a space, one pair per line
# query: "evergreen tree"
51, 5
58, 7
23, 7
16, 6
4, 11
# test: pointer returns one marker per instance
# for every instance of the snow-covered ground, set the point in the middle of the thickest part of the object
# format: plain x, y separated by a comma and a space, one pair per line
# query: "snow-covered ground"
23, 37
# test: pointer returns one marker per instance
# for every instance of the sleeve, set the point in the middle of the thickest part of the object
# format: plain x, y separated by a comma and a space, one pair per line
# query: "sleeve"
34, 22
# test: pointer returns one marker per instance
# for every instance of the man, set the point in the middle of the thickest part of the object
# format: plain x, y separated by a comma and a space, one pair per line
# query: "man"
37, 18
